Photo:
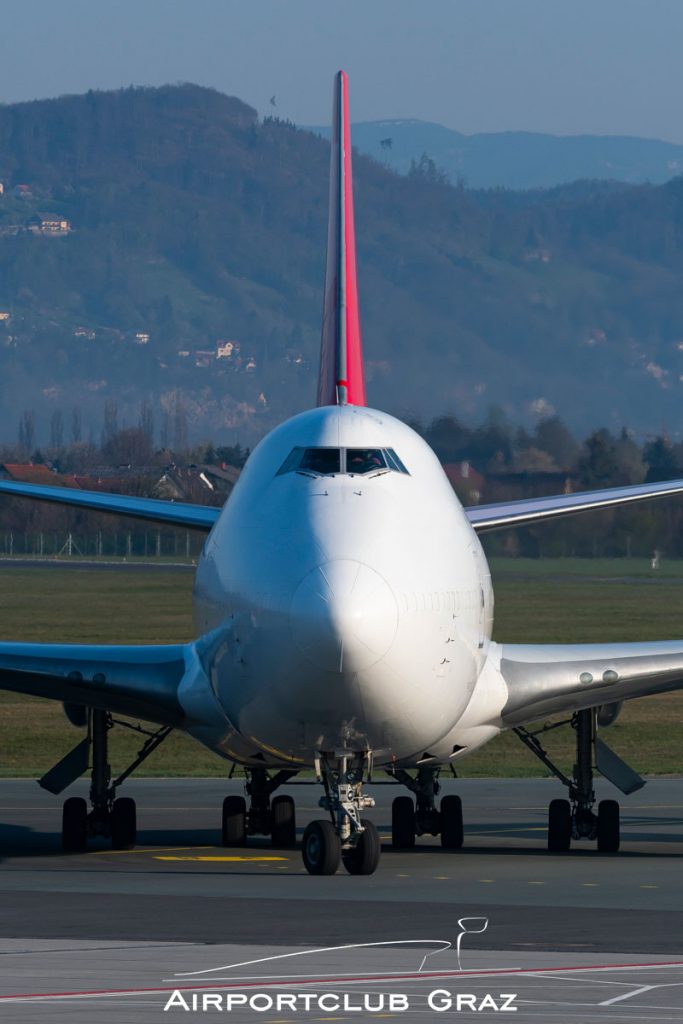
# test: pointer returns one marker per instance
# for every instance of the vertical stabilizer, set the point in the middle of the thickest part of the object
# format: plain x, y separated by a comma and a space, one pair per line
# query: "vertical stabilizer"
341, 379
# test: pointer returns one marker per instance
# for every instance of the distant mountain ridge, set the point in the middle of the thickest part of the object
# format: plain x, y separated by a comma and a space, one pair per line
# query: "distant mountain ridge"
516, 159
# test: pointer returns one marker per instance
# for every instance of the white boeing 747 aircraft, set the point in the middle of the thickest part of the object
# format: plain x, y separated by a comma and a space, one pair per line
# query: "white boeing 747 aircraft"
344, 610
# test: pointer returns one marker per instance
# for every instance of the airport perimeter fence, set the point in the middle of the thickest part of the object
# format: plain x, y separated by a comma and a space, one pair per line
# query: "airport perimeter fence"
182, 545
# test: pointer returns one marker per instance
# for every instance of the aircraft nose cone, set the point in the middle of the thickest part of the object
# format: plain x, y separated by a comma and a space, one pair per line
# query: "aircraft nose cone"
344, 616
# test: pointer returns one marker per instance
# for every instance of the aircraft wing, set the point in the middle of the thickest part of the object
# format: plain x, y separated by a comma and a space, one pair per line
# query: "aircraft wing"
195, 517
533, 510
547, 679
140, 681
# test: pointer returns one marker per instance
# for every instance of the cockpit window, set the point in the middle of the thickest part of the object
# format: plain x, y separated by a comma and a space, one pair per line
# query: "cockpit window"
321, 460
394, 461
330, 461
291, 462
365, 460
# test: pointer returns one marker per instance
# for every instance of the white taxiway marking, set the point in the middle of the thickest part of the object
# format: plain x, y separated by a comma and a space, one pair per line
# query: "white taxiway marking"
627, 995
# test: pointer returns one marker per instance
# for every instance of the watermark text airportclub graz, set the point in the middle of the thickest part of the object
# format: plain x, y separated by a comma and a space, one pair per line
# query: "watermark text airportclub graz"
438, 1000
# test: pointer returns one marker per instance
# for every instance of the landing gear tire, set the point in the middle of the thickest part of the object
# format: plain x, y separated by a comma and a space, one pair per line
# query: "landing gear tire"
123, 824
452, 829
321, 848
283, 822
74, 825
363, 858
559, 826
234, 830
403, 823
608, 826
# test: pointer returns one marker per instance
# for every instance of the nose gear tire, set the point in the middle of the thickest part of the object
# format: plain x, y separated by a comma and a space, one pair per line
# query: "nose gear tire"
363, 858
321, 848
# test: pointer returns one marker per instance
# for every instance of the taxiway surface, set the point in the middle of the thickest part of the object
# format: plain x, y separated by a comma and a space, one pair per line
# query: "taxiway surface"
180, 885
108, 936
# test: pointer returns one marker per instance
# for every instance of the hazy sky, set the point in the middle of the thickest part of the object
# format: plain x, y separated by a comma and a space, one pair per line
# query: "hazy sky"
599, 66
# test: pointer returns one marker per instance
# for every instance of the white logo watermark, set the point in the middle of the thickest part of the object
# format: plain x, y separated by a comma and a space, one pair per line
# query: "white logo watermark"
259, 993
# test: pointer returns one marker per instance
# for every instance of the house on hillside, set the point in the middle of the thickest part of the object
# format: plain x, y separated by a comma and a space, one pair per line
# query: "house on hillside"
226, 349
22, 192
52, 224
4, 316
142, 338
2, 189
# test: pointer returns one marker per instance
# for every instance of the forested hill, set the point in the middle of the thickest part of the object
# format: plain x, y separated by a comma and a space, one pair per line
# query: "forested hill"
147, 231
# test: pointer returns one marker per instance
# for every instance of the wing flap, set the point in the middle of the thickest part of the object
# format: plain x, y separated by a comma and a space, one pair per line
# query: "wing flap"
485, 518
193, 517
548, 679
140, 681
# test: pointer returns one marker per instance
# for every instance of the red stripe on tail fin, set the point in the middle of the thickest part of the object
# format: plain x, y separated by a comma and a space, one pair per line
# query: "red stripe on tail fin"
341, 380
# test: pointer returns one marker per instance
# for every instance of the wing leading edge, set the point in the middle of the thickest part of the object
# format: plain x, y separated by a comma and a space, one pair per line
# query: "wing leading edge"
140, 681
485, 518
193, 517
548, 679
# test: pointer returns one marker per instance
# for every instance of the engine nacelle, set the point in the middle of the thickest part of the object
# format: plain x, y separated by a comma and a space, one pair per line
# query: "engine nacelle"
608, 713
77, 714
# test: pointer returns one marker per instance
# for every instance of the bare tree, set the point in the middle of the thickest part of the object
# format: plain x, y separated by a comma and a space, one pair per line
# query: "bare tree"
76, 426
179, 424
165, 438
110, 425
57, 429
27, 431
146, 420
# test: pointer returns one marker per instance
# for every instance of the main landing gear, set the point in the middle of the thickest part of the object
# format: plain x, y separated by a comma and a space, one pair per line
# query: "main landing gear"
409, 819
346, 838
108, 815
576, 817
265, 817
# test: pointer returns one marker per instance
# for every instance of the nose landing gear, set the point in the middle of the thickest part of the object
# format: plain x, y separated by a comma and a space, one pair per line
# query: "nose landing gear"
347, 838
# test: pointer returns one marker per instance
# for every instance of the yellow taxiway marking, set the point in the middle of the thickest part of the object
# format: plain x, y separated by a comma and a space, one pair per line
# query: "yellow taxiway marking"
154, 849
649, 887
590, 885
487, 881
530, 882
232, 859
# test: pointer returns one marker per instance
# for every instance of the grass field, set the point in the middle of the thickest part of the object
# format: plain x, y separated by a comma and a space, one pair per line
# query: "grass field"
552, 601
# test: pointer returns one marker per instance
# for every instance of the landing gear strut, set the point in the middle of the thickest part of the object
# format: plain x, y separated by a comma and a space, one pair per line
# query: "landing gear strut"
347, 837
409, 819
264, 817
110, 816
576, 818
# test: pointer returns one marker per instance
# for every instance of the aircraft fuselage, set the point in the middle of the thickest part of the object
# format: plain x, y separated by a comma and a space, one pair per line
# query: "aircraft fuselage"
356, 606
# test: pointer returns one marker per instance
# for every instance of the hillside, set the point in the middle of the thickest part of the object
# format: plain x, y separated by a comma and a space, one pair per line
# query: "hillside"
517, 159
160, 228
